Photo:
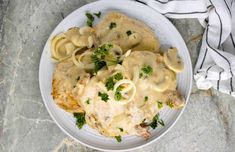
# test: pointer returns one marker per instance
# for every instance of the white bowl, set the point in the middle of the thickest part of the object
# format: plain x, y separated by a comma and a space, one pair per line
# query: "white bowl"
168, 36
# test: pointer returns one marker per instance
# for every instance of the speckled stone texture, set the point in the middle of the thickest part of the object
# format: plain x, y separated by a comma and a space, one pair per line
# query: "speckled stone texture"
207, 125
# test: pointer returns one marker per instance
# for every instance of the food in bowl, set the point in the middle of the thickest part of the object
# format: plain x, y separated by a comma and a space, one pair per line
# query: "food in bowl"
114, 77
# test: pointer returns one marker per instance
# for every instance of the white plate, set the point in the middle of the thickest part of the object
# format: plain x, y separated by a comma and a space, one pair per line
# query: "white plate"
168, 36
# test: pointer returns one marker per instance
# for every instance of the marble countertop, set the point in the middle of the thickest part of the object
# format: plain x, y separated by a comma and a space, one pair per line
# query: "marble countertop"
208, 123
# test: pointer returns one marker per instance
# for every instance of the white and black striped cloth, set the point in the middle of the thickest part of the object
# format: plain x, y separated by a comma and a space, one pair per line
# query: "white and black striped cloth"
216, 62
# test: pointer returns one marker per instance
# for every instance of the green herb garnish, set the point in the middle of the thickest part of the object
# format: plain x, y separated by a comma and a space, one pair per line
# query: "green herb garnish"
99, 63
160, 105
118, 76
119, 88
90, 19
112, 25
109, 83
89, 23
98, 57
97, 14
121, 129
156, 120
90, 16
118, 95
118, 138
103, 96
128, 33
161, 122
148, 70
170, 104
146, 98
80, 119
88, 101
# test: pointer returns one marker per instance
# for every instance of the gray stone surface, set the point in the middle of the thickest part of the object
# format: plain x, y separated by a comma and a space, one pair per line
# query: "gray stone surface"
208, 123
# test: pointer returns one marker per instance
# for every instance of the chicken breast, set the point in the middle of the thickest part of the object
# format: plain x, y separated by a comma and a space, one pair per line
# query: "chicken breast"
68, 82
126, 32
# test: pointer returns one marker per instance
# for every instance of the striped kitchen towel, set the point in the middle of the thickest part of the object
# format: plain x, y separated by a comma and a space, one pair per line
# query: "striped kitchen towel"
216, 62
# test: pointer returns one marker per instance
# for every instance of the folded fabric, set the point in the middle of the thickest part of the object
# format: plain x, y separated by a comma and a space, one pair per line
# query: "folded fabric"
216, 62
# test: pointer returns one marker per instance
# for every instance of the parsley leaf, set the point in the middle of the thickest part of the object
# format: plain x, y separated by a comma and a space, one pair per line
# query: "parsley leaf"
112, 25
118, 76
99, 63
89, 23
119, 88
156, 120
117, 96
109, 83
90, 19
148, 70
80, 119
146, 98
88, 101
118, 138
104, 96
121, 129
161, 122
170, 104
97, 14
128, 33
160, 105
90, 16
98, 57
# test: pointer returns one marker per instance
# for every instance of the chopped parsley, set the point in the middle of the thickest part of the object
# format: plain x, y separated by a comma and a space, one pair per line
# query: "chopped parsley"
80, 119
146, 98
112, 25
99, 63
148, 70
109, 83
118, 76
112, 80
89, 23
90, 19
103, 96
119, 88
118, 138
160, 105
97, 14
118, 96
128, 33
170, 104
88, 101
156, 121
98, 57
121, 129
